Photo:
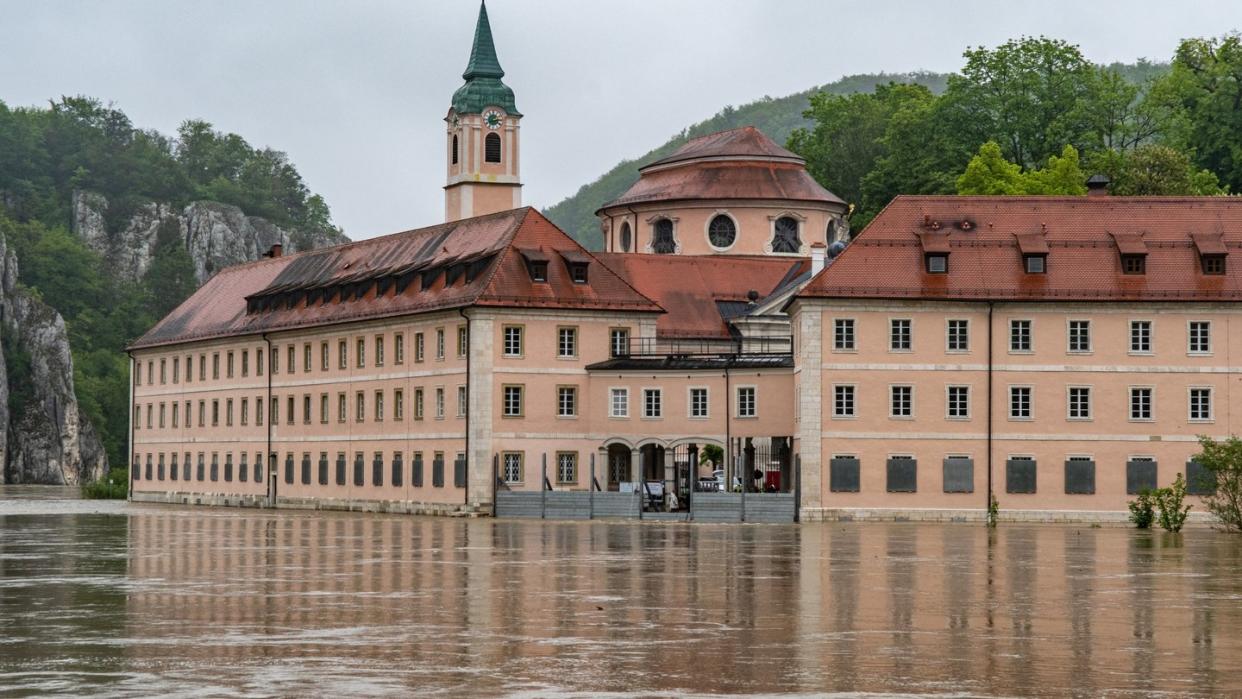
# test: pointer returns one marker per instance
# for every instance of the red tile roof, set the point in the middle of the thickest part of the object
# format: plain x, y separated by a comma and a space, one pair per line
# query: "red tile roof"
472, 262
690, 287
746, 142
986, 236
737, 164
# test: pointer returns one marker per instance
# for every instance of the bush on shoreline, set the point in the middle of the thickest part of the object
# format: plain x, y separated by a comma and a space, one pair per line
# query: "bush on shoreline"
114, 486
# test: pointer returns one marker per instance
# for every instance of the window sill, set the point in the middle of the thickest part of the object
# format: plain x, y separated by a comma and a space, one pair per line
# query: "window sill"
1140, 353
900, 351
1081, 353
952, 418
1021, 352
503, 417
1079, 419
566, 417
844, 417
618, 417
901, 417
1199, 354
1201, 421
844, 351
1021, 419
745, 417
699, 417
1141, 419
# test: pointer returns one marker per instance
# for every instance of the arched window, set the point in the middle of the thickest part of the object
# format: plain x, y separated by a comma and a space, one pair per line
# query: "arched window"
491, 148
786, 238
662, 242
721, 232
454, 149
623, 240
831, 234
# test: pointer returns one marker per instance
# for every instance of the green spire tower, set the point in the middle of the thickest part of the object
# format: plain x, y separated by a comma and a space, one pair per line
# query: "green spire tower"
483, 86
482, 136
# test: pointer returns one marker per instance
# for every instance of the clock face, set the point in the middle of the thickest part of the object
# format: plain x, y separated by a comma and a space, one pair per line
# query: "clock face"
492, 119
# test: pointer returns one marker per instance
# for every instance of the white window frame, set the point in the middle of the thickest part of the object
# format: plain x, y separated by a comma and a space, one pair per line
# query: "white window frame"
517, 343
504, 400
1030, 336
1190, 350
754, 402
948, 402
1211, 404
570, 332
853, 327
1069, 336
658, 393
690, 403
1151, 337
1069, 403
511, 458
623, 393
892, 413
1151, 403
853, 414
1030, 402
560, 402
892, 335
948, 336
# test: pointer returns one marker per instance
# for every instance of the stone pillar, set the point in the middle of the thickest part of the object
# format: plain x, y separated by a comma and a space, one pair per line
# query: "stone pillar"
636, 465
808, 362
601, 469
479, 474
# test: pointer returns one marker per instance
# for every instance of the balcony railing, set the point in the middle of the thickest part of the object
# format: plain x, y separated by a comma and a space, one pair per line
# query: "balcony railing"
705, 347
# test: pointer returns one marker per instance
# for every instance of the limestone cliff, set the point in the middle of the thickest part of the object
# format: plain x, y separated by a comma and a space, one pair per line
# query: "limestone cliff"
216, 235
45, 439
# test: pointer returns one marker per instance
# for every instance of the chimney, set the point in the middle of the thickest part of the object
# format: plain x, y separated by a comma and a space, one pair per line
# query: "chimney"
1097, 186
276, 251
818, 252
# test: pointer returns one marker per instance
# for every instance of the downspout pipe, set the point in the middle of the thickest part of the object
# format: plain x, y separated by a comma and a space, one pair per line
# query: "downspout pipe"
267, 420
988, 505
466, 449
129, 465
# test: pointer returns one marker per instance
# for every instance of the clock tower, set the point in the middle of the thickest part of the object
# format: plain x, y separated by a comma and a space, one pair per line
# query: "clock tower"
481, 144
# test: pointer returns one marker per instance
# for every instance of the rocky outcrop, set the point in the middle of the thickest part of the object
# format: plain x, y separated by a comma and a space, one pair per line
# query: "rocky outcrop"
45, 437
216, 235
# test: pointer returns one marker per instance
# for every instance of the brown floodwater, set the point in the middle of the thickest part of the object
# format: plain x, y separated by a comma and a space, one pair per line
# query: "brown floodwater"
114, 599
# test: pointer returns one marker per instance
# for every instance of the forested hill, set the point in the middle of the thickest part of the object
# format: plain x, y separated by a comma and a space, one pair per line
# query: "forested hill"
109, 226
777, 117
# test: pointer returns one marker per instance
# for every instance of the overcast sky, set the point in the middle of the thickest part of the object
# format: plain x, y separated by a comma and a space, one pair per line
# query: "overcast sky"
355, 92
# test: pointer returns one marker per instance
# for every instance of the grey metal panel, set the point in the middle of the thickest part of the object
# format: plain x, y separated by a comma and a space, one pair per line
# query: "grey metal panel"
612, 504
323, 469
416, 471
437, 473
771, 508
519, 504
1020, 476
1079, 477
843, 475
568, 505
1199, 480
305, 469
1140, 476
902, 475
340, 469
959, 475
716, 507
377, 470
459, 473
358, 468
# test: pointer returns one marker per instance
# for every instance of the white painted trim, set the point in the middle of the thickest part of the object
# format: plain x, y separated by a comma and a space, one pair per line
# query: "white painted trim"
707, 227
1033, 368
1012, 437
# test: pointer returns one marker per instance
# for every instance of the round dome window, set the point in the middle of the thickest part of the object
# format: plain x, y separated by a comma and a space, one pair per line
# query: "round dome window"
722, 232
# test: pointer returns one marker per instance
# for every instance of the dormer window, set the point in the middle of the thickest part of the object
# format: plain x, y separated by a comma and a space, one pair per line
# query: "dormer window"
937, 263
1212, 264
1133, 252
1035, 264
935, 251
539, 271
536, 263
576, 262
578, 272
1212, 252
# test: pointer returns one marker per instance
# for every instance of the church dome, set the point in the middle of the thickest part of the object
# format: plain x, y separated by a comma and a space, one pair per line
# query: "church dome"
736, 164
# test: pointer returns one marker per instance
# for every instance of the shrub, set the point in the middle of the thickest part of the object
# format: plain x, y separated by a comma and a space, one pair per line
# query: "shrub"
993, 511
1224, 461
114, 486
1169, 501
1143, 509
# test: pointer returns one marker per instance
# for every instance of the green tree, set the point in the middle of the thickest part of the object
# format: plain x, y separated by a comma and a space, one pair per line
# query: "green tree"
1154, 169
989, 173
1205, 88
1223, 459
1169, 501
1031, 95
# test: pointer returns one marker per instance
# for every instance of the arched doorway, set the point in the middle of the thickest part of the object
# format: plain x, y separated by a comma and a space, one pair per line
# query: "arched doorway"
619, 467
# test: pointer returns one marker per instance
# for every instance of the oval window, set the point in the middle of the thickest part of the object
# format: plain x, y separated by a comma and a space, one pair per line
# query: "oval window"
624, 239
722, 232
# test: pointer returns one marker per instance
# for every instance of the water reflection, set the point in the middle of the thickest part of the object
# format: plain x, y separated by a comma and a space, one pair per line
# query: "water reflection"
153, 600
